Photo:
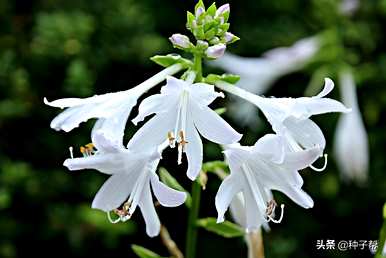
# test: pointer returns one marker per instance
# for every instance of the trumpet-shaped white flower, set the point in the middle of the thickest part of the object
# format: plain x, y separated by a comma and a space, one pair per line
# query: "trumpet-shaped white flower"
351, 143
132, 174
258, 169
289, 117
258, 74
181, 111
111, 109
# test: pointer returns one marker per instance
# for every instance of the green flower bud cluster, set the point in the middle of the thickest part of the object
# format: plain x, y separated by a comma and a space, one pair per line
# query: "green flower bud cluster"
210, 29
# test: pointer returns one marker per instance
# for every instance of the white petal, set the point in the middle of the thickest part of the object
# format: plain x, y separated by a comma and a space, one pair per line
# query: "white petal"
173, 86
149, 214
203, 93
254, 216
106, 163
212, 126
72, 117
72, 102
153, 132
167, 196
328, 87
237, 209
279, 177
103, 138
113, 192
307, 107
228, 189
117, 109
154, 104
236, 155
305, 132
302, 159
194, 152
271, 147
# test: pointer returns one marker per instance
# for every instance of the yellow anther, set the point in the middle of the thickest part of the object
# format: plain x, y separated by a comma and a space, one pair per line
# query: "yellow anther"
171, 139
271, 205
182, 142
82, 149
126, 206
90, 146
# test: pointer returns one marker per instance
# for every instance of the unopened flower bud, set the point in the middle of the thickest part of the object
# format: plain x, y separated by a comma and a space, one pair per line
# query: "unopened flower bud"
222, 9
229, 37
201, 44
179, 40
199, 11
215, 51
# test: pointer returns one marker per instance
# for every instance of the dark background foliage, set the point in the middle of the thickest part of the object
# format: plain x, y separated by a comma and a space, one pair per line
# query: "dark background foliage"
63, 48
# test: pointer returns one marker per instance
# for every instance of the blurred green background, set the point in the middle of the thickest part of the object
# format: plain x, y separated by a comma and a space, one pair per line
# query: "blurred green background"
65, 48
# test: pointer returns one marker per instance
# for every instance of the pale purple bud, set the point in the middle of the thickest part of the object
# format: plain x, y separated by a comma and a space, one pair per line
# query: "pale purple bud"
216, 51
222, 9
199, 11
229, 37
180, 40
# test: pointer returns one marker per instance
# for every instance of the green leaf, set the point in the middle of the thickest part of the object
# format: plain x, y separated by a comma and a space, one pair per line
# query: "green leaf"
170, 59
220, 111
189, 20
199, 32
227, 77
224, 27
144, 253
170, 181
226, 229
210, 33
384, 211
213, 165
226, 16
212, 9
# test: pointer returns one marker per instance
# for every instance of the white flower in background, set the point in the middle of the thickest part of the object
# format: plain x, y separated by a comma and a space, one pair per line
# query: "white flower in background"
258, 169
181, 111
111, 109
132, 174
258, 74
351, 144
289, 117
349, 7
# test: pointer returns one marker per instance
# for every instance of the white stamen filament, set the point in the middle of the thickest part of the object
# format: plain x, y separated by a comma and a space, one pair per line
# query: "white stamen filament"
179, 157
273, 212
324, 166
136, 193
180, 128
71, 152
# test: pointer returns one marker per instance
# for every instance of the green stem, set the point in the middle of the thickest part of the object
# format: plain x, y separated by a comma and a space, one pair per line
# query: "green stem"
191, 235
197, 67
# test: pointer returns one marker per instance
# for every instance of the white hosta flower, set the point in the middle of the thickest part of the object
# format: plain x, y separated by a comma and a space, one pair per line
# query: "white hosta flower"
351, 143
181, 111
289, 117
258, 74
132, 174
258, 169
111, 109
